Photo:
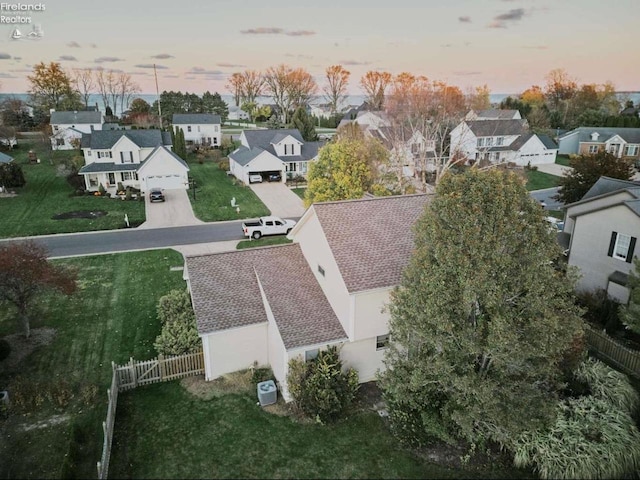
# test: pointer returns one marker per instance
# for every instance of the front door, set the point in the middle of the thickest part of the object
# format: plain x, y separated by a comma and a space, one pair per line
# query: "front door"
112, 178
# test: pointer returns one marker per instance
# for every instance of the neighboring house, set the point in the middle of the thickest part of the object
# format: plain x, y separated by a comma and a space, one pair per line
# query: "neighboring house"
405, 146
630, 112
67, 128
199, 128
236, 113
320, 110
8, 137
265, 152
604, 227
269, 305
4, 158
138, 158
366, 119
493, 114
621, 142
502, 141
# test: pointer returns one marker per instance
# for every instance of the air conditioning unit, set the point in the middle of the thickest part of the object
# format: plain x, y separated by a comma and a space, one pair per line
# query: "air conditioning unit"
267, 393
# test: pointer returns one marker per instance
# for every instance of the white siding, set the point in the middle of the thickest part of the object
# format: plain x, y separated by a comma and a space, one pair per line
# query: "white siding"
369, 319
569, 144
236, 349
600, 203
535, 153
162, 170
363, 357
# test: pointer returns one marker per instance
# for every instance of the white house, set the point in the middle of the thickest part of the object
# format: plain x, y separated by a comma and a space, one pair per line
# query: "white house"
67, 127
269, 305
138, 158
501, 141
621, 142
199, 128
604, 226
236, 113
265, 152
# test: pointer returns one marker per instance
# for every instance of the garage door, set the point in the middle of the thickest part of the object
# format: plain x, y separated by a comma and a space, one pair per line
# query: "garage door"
167, 182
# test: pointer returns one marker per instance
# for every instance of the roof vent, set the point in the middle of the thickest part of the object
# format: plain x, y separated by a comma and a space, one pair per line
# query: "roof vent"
267, 393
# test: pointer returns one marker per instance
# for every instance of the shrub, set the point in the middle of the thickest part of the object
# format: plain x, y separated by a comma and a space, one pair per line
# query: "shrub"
120, 187
101, 189
260, 374
11, 175
601, 309
179, 333
224, 165
320, 387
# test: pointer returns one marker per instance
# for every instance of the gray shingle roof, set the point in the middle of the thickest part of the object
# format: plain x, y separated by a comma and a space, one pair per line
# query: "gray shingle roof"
488, 128
547, 142
244, 155
5, 158
195, 118
104, 167
606, 185
630, 135
105, 139
226, 294
497, 114
172, 154
371, 239
262, 140
75, 118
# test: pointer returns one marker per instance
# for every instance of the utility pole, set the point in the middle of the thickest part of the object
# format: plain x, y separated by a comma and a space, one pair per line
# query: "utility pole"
155, 74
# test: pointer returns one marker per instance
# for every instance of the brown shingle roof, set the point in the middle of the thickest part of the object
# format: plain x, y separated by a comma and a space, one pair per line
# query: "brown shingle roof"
371, 239
226, 294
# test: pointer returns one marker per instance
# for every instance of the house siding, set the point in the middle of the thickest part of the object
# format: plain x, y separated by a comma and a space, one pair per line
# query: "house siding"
596, 204
363, 357
369, 318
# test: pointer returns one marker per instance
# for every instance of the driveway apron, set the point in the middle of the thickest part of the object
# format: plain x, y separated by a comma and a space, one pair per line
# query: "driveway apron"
279, 199
175, 211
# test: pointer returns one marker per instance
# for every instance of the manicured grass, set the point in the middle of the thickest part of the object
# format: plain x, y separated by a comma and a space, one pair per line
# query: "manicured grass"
263, 242
299, 191
163, 431
538, 180
214, 191
47, 194
562, 160
112, 317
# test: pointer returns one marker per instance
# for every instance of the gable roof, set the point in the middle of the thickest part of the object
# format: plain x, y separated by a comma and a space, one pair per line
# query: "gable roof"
195, 118
226, 293
264, 138
4, 158
497, 114
75, 118
629, 135
547, 141
262, 141
605, 185
485, 128
371, 239
105, 139
243, 155
164, 149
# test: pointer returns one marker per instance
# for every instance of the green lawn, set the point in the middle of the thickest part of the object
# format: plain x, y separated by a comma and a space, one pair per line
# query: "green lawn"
111, 318
263, 242
562, 160
299, 191
538, 180
47, 194
163, 431
214, 191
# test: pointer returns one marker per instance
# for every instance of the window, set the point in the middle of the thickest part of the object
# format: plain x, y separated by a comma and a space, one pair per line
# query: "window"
621, 246
285, 148
88, 153
303, 167
632, 150
311, 355
55, 128
269, 223
215, 140
292, 167
59, 141
593, 149
321, 270
279, 223
188, 128
499, 141
481, 142
382, 341
489, 141
126, 157
127, 176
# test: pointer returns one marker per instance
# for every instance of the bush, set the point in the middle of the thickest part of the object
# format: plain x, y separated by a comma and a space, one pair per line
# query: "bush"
179, 333
101, 189
11, 175
224, 165
602, 310
320, 387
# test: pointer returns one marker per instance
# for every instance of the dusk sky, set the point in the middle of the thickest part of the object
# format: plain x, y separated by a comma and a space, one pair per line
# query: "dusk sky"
507, 44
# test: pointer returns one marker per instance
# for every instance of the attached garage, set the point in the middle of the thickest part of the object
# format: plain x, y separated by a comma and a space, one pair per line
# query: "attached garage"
163, 169
244, 162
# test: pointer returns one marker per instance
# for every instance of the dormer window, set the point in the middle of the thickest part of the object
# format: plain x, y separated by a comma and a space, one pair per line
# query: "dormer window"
594, 136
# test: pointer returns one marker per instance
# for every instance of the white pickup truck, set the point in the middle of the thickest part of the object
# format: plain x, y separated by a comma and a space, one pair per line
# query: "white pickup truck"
267, 226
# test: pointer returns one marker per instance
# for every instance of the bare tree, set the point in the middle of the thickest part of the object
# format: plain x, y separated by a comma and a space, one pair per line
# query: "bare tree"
276, 81
336, 89
251, 86
84, 83
127, 88
375, 85
234, 84
105, 81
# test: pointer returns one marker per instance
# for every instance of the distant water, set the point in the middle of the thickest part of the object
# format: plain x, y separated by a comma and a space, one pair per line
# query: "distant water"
94, 99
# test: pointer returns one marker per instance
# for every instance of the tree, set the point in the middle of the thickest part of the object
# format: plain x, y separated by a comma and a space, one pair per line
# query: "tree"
587, 169
179, 334
482, 320
83, 83
180, 146
126, 89
25, 272
289, 88
374, 84
51, 88
630, 313
213, 103
11, 175
336, 89
139, 106
304, 123
480, 98
340, 173
234, 84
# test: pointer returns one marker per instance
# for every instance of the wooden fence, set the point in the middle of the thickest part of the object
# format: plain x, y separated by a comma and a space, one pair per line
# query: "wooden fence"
135, 373
613, 352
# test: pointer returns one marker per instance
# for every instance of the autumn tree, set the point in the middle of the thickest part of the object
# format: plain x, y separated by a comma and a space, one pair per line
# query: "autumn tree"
302, 87
482, 320
336, 88
479, 98
587, 169
84, 83
375, 84
289, 88
139, 106
234, 85
51, 88
25, 272
304, 123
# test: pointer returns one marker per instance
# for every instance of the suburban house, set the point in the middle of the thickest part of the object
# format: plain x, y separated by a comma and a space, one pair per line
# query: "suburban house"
67, 127
4, 158
621, 142
604, 226
199, 128
236, 113
268, 305
493, 114
8, 137
267, 152
502, 141
137, 158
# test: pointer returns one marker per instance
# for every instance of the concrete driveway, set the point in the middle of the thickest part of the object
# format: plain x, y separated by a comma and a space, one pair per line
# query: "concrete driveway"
554, 169
175, 211
279, 199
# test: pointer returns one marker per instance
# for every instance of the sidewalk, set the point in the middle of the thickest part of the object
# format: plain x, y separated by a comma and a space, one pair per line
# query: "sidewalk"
554, 169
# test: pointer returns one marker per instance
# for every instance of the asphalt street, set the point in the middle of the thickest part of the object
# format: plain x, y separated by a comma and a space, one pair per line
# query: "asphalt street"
546, 197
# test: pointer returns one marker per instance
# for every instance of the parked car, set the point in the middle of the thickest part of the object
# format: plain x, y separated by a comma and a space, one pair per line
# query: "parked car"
275, 177
267, 226
255, 178
156, 195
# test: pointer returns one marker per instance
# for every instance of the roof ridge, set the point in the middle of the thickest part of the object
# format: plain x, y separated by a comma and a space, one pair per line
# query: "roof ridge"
245, 250
354, 200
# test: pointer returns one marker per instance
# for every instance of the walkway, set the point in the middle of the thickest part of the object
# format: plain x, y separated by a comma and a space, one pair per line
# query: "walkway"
554, 169
175, 211
279, 199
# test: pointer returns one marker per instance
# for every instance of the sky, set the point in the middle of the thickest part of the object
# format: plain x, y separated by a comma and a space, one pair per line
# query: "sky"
508, 45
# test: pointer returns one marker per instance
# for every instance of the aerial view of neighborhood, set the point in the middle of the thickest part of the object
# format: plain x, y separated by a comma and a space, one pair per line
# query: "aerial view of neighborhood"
329, 240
